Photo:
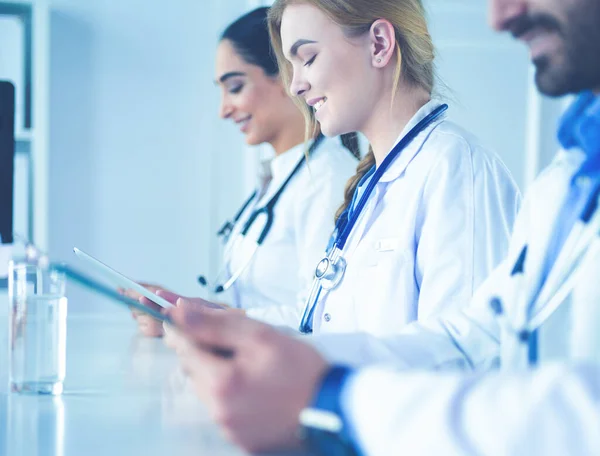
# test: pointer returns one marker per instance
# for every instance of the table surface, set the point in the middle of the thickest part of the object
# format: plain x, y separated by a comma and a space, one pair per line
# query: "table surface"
123, 396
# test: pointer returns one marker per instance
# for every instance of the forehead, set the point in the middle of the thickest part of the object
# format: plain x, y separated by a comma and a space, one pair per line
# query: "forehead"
303, 21
227, 58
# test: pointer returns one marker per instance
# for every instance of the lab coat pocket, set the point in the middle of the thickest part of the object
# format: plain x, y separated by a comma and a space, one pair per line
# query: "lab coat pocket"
385, 284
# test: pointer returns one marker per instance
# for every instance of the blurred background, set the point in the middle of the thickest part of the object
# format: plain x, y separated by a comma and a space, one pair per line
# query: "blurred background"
120, 151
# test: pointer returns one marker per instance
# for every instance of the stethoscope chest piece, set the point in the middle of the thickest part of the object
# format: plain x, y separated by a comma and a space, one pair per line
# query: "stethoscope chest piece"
330, 272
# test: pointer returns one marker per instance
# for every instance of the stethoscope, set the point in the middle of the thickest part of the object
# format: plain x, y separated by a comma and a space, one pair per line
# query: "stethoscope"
225, 279
331, 269
524, 330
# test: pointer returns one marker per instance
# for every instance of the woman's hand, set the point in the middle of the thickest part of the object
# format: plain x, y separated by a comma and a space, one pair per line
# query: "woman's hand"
200, 304
135, 295
147, 325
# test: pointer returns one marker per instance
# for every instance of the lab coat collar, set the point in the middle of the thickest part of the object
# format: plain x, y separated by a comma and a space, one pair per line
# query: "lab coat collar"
578, 248
400, 164
264, 175
282, 165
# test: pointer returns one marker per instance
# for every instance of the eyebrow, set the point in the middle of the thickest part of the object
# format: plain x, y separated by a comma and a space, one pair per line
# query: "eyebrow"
231, 74
297, 44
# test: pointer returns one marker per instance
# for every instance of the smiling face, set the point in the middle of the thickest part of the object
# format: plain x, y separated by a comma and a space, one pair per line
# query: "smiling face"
563, 37
331, 72
250, 98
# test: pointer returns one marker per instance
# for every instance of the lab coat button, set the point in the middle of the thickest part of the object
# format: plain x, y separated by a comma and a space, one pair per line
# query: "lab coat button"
327, 317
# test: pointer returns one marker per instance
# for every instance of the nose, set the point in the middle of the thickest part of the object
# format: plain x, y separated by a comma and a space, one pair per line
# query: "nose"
299, 85
503, 12
226, 109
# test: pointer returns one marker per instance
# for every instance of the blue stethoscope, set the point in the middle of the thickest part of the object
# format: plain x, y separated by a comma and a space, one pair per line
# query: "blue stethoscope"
331, 269
225, 279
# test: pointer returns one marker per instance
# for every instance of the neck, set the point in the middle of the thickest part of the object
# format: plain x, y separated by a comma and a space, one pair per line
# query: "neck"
290, 135
387, 122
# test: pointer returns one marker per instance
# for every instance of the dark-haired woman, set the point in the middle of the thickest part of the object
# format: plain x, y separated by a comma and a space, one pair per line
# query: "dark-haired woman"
303, 192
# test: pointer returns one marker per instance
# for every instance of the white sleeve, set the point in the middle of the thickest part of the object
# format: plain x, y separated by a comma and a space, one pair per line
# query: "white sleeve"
554, 410
465, 338
466, 216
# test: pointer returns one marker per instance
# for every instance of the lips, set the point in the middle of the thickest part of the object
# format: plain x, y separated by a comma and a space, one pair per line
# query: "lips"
539, 41
243, 123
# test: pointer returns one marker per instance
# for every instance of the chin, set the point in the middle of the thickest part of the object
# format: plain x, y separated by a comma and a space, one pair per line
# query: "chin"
555, 83
252, 140
330, 130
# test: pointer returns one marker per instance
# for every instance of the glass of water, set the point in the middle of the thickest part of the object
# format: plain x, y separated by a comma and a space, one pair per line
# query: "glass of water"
37, 329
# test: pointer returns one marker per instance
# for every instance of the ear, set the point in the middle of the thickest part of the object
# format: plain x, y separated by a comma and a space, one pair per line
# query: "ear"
383, 42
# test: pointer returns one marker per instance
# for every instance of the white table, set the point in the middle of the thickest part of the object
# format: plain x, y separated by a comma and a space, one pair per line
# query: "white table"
122, 397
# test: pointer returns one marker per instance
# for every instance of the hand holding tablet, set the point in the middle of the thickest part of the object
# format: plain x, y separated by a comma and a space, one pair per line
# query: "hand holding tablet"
119, 280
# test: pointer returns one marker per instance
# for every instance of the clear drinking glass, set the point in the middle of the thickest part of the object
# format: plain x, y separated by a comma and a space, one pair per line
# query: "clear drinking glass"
37, 329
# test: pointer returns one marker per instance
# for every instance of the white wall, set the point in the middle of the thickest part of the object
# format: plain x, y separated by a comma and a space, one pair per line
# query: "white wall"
491, 87
138, 155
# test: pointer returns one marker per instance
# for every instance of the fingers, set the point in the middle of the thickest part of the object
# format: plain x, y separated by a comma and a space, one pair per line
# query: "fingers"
146, 302
149, 326
171, 337
226, 330
207, 373
169, 296
151, 287
198, 303
130, 293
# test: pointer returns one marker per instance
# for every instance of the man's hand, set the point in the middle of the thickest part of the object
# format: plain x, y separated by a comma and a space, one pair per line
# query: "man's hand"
257, 394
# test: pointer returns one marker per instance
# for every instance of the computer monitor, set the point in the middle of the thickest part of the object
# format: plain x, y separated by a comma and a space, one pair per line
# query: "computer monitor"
7, 159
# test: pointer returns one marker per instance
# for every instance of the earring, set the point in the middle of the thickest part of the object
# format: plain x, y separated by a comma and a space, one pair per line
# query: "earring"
378, 60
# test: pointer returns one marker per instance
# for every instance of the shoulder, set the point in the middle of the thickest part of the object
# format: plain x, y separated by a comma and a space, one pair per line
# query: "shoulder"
330, 160
457, 149
565, 163
331, 155
557, 175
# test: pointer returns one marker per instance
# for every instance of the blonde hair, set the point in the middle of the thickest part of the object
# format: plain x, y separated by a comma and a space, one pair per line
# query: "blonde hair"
414, 51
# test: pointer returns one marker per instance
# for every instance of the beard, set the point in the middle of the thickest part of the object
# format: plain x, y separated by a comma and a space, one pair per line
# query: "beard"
576, 66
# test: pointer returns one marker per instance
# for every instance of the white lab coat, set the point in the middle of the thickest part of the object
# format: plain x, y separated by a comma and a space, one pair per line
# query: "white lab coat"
437, 223
552, 411
471, 336
303, 218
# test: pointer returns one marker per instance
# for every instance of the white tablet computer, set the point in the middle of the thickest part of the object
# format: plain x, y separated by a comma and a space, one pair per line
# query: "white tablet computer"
120, 280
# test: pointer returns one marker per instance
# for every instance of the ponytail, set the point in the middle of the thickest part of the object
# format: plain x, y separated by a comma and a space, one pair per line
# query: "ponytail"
363, 167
